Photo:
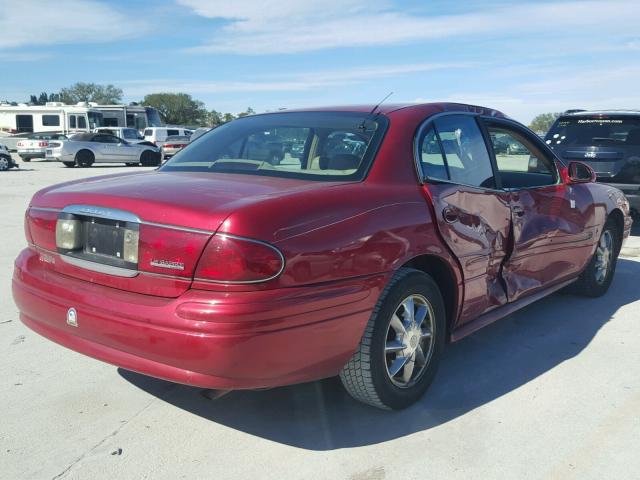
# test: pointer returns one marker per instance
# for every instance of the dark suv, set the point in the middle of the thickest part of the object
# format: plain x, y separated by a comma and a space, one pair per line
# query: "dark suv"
608, 140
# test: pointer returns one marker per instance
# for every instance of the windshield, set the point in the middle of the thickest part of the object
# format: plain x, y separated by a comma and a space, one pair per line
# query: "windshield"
153, 117
595, 130
326, 146
95, 120
130, 133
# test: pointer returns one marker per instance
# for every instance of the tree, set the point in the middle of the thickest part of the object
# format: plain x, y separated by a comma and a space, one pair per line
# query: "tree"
91, 92
215, 118
542, 123
227, 117
249, 111
178, 108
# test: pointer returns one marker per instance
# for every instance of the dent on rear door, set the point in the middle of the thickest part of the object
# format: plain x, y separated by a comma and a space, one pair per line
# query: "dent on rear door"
476, 225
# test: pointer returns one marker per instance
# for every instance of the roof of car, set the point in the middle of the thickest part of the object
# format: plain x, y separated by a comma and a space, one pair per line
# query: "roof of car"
586, 113
85, 137
387, 108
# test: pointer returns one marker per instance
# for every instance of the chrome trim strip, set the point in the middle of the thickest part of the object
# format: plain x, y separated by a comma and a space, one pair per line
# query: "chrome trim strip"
99, 267
176, 227
45, 209
102, 212
227, 282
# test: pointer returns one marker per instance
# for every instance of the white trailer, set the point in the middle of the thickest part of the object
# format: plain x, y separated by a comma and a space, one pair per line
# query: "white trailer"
52, 117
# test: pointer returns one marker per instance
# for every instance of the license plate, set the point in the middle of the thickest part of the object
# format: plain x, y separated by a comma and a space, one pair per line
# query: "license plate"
49, 153
104, 240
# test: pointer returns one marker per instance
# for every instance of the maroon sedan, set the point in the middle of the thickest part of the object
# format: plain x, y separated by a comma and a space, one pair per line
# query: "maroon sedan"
368, 242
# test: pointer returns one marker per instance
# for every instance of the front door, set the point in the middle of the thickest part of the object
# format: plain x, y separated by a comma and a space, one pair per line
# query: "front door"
552, 240
473, 216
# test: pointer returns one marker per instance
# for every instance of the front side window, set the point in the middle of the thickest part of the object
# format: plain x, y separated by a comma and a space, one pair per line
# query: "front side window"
72, 121
455, 151
82, 122
520, 164
325, 146
51, 120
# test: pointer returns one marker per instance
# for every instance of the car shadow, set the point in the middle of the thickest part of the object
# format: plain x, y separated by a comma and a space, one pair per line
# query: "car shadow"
474, 371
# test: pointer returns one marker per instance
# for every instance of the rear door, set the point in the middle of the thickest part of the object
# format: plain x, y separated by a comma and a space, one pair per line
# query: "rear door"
472, 214
553, 230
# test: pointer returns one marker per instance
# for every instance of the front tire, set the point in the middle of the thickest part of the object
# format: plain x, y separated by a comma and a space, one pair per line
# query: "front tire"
150, 159
399, 352
5, 163
69, 164
597, 276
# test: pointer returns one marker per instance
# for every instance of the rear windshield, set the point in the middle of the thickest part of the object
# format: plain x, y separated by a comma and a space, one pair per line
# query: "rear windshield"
595, 130
325, 146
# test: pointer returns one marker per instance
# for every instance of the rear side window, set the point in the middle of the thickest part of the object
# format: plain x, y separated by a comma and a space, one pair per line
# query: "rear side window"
463, 156
172, 132
148, 132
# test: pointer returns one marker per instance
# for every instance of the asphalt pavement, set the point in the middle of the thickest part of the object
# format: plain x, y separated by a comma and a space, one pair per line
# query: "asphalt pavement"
552, 391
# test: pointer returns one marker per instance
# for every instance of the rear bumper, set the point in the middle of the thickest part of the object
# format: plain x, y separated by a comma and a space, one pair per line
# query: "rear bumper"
209, 339
30, 155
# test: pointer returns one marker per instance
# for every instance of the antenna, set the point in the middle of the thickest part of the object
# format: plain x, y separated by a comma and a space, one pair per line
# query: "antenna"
380, 103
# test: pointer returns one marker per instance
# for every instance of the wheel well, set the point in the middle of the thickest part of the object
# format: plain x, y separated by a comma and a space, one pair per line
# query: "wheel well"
444, 277
618, 217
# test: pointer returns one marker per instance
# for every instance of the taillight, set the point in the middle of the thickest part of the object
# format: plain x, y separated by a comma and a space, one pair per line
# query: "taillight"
42, 227
43, 144
169, 252
230, 259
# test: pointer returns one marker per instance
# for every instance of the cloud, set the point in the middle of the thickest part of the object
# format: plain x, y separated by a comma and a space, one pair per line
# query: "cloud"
294, 82
289, 26
43, 22
588, 88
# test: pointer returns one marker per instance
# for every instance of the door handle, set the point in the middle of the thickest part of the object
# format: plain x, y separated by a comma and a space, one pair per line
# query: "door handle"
518, 210
449, 215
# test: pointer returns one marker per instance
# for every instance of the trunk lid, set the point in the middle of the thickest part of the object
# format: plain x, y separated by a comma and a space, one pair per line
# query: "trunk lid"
173, 215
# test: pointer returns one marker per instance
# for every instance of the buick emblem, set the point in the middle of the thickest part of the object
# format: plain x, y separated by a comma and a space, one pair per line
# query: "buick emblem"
72, 317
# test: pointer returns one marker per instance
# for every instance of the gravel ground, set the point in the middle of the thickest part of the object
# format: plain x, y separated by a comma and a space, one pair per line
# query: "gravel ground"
552, 391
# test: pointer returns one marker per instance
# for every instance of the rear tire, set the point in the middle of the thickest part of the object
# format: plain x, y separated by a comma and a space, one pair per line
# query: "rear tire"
69, 164
399, 352
85, 158
25, 159
596, 278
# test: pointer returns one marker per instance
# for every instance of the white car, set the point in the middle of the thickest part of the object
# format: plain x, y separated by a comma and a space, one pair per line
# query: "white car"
158, 135
35, 145
6, 162
83, 149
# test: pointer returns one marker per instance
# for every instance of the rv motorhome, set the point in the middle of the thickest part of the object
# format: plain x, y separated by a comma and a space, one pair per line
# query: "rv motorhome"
53, 116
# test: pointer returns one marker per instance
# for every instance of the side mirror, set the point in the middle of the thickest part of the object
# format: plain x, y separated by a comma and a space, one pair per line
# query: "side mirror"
581, 173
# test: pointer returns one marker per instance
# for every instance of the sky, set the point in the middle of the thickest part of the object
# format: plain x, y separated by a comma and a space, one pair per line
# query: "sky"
520, 57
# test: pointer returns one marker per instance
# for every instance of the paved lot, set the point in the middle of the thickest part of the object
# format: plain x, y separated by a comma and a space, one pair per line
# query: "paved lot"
550, 392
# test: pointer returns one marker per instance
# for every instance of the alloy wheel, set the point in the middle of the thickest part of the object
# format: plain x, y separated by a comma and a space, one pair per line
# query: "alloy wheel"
410, 341
604, 254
